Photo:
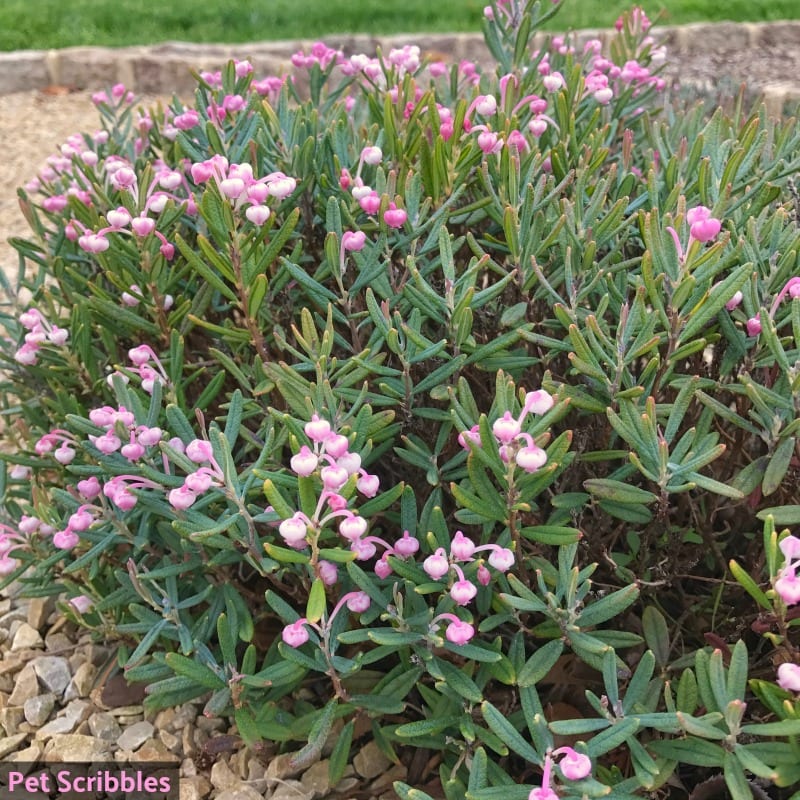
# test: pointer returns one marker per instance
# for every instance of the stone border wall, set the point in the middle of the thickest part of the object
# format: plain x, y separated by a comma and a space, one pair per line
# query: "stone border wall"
165, 68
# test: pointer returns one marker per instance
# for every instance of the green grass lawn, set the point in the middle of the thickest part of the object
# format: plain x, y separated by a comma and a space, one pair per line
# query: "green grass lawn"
54, 23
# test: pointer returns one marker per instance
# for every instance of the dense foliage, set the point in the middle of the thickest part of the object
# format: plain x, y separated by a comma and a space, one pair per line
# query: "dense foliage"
467, 398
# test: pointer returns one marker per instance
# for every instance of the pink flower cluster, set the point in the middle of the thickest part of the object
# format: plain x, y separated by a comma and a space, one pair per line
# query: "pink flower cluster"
148, 366
237, 183
791, 289
367, 198
122, 433
399, 62
10, 538
201, 480
702, 228
65, 453
296, 633
40, 332
574, 766
463, 550
508, 433
787, 584
331, 460
120, 176
119, 94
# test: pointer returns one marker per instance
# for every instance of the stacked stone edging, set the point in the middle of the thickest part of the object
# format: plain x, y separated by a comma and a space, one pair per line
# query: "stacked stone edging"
166, 68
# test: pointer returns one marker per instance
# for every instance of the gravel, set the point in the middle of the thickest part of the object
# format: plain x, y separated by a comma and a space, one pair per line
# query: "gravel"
53, 707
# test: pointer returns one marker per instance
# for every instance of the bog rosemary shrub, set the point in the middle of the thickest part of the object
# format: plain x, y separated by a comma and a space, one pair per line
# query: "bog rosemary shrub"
468, 397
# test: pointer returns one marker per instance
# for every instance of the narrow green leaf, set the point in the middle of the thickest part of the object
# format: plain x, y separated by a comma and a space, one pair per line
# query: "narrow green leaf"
608, 607
508, 734
612, 737
618, 491
323, 723
777, 466
540, 663
455, 679
190, 668
315, 607
340, 755
656, 634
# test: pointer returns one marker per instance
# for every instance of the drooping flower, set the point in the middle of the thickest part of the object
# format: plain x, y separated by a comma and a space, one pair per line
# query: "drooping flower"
574, 765
437, 565
295, 634
789, 677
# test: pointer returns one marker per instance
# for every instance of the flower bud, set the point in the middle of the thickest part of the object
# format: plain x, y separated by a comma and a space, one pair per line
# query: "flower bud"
364, 550
28, 525
506, 429
406, 546
502, 559
132, 451
333, 477
89, 488
472, 435
328, 571
461, 548
64, 454
294, 531
486, 105
335, 444
81, 603
358, 602
142, 226
317, 429
349, 462
66, 539
181, 498
734, 301
305, 462
789, 677
459, 632
107, 443
437, 565
372, 155
382, 568
198, 482
257, 214
353, 528
354, 240
140, 355
395, 217
335, 501
788, 586
462, 592
295, 634
538, 402
149, 436
7, 565
531, 458
177, 444
199, 451
790, 547
118, 218
368, 485
80, 521
282, 187
574, 766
